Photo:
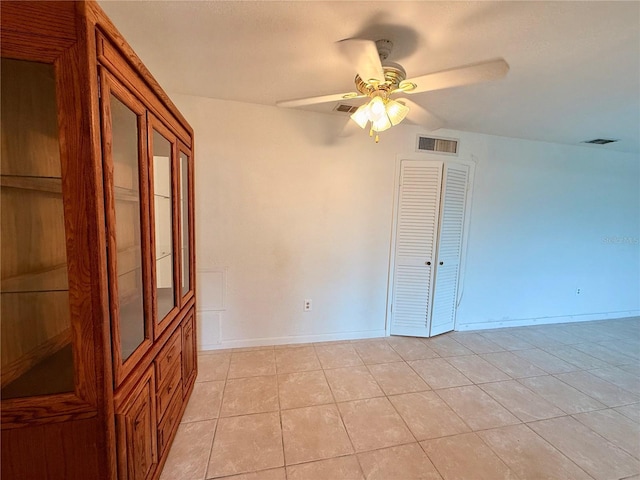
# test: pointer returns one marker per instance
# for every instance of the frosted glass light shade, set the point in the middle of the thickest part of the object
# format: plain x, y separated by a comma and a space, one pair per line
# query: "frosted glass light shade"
361, 115
396, 112
376, 109
381, 124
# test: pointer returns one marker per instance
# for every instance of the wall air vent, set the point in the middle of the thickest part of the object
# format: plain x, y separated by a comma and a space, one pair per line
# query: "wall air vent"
344, 108
447, 146
600, 141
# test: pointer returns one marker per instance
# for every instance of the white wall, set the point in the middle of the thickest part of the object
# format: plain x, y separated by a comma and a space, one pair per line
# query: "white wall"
548, 220
287, 209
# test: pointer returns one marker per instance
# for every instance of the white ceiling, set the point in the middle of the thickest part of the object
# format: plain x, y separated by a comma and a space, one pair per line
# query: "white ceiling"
575, 66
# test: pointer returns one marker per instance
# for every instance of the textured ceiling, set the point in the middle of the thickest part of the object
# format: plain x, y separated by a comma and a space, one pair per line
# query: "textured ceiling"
575, 66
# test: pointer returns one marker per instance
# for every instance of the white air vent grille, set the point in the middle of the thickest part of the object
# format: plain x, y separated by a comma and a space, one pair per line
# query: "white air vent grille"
447, 146
343, 107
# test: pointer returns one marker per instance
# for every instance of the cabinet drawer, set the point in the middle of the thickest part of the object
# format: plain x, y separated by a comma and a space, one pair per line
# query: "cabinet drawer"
171, 418
168, 358
172, 383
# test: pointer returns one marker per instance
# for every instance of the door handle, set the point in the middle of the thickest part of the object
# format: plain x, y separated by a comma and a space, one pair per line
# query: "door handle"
441, 263
427, 263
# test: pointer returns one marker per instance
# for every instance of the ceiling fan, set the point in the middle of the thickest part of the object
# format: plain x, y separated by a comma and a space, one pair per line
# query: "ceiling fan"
379, 80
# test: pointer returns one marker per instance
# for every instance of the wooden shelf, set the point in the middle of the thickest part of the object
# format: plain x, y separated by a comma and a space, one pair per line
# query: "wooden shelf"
47, 280
41, 184
162, 255
25, 363
129, 259
126, 194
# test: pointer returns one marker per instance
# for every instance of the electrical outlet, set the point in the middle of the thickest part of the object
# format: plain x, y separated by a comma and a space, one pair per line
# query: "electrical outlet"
577, 291
307, 305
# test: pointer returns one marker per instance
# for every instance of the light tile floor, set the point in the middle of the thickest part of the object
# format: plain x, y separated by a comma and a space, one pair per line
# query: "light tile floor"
558, 402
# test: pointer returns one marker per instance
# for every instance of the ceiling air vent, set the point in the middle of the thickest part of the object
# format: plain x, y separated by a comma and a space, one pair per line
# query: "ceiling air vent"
600, 141
343, 107
447, 146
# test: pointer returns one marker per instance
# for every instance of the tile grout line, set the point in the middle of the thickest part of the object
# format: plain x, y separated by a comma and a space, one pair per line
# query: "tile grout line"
335, 402
215, 429
590, 396
284, 456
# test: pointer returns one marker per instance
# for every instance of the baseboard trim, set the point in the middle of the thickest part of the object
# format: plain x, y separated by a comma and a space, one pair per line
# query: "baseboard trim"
526, 322
293, 339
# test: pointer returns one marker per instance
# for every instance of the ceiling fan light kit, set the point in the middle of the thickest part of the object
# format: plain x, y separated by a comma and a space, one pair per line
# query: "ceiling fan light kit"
384, 79
383, 113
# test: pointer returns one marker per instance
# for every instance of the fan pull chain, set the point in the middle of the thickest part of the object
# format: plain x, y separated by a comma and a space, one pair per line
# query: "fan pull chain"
371, 134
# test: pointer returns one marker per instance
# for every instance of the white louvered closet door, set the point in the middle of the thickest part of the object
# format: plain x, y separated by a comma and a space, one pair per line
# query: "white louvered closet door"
428, 246
418, 209
454, 197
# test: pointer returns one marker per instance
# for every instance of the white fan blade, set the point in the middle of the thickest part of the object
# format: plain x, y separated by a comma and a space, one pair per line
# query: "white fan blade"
349, 128
420, 116
301, 102
363, 55
456, 77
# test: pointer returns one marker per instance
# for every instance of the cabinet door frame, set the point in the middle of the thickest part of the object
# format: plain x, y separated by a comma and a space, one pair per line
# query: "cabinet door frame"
153, 123
184, 299
189, 352
110, 85
80, 181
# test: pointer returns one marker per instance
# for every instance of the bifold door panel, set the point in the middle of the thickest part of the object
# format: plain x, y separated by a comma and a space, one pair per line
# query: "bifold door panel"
429, 224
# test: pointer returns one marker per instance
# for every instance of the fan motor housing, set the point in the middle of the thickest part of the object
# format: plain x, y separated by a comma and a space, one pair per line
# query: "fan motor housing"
393, 75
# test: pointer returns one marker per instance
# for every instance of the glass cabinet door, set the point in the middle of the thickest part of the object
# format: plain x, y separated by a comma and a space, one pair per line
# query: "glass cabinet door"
127, 220
162, 158
35, 321
186, 177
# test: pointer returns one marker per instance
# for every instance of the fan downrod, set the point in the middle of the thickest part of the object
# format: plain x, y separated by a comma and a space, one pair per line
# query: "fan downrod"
384, 48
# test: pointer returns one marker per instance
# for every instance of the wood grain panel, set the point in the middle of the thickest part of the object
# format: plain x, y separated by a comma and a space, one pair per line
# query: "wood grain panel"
42, 410
32, 47
98, 302
37, 30
50, 19
30, 145
78, 162
39, 452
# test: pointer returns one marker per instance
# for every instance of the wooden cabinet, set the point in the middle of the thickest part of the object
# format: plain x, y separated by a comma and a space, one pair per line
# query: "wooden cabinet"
98, 353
